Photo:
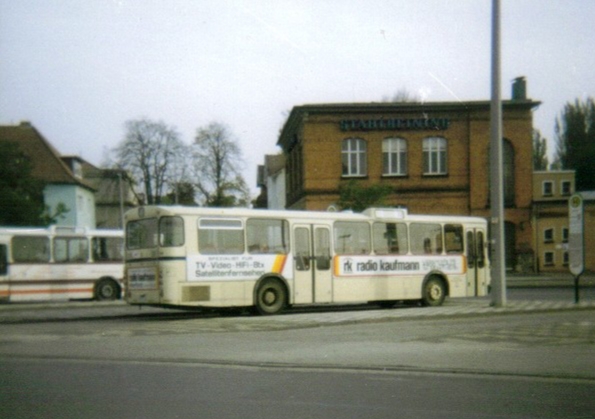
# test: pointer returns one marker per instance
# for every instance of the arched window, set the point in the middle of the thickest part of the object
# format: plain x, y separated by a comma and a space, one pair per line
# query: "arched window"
394, 157
508, 172
354, 159
434, 154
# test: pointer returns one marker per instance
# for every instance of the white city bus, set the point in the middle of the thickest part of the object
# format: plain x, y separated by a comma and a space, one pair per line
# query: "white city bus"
213, 257
60, 263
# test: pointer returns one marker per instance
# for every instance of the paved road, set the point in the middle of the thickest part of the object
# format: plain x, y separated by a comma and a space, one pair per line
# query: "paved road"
532, 359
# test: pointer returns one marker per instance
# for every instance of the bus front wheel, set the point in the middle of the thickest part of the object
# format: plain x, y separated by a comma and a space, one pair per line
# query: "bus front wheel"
433, 292
271, 297
107, 289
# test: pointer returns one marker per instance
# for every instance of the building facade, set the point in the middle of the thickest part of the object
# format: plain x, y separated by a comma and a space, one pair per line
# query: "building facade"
551, 192
92, 197
435, 158
63, 189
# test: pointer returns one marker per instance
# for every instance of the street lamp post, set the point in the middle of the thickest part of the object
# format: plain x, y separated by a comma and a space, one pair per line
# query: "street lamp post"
498, 298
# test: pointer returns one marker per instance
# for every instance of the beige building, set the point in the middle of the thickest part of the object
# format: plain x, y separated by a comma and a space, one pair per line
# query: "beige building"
551, 191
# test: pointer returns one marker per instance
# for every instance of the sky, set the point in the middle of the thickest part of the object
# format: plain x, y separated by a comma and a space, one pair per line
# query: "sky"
78, 70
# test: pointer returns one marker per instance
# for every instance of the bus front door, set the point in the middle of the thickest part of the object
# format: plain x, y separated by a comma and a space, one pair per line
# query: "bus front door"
476, 263
312, 264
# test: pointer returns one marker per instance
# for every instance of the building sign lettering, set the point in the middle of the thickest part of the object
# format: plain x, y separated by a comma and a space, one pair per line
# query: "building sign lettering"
392, 124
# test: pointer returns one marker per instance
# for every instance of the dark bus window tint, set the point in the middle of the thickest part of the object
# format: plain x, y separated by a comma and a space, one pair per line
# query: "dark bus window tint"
3, 259
141, 234
27, 249
108, 249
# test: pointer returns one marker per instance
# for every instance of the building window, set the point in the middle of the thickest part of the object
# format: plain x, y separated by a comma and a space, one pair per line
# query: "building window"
353, 153
548, 188
565, 235
434, 154
548, 235
566, 188
548, 259
394, 157
566, 259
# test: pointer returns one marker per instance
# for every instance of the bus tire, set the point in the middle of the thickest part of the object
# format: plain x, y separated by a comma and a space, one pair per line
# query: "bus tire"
433, 292
271, 297
107, 289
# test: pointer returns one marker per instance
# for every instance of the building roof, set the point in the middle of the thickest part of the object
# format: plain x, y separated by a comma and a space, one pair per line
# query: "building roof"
298, 112
47, 164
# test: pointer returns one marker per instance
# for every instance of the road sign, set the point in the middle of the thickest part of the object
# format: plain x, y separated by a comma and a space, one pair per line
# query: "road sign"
576, 241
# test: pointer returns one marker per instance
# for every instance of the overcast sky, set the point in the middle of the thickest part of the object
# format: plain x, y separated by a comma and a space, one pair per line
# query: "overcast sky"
77, 70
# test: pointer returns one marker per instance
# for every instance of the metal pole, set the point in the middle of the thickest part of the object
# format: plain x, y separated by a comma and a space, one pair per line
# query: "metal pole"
498, 295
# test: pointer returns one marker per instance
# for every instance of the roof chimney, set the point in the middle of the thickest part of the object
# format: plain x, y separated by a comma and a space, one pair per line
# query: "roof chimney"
519, 88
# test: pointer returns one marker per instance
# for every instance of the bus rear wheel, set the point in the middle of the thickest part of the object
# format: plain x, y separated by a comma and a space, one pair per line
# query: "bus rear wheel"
107, 289
433, 292
271, 297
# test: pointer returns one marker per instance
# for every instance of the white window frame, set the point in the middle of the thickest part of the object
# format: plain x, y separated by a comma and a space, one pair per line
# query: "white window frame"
394, 156
354, 157
435, 156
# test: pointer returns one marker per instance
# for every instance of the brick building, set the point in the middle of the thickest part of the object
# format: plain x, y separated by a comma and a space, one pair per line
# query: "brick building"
434, 156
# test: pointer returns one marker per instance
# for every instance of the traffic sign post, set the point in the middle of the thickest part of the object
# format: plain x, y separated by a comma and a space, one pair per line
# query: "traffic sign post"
576, 240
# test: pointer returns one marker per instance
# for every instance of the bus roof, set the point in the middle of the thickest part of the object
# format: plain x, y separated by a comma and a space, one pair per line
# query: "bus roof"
60, 231
380, 214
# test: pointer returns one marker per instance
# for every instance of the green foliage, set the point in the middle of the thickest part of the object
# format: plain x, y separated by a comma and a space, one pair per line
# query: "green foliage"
183, 194
22, 195
540, 159
575, 138
357, 197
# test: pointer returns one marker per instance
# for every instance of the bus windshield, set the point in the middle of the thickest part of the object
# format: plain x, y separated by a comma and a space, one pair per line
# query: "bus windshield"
141, 234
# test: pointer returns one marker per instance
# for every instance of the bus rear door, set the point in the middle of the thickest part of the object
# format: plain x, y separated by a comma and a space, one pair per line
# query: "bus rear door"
312, 264
476, 263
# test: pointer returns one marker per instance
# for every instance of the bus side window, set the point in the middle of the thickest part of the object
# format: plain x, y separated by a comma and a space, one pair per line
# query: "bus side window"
425, 239
453, 238
352, 238
3, 259
31, 249
267, 236
390, 238
108, 249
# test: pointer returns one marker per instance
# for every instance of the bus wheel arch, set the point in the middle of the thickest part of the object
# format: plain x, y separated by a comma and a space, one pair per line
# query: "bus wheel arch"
434, 290
271, 295
107, 288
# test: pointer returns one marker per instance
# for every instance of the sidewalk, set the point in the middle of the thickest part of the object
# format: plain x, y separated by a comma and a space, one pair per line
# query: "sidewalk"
548, 280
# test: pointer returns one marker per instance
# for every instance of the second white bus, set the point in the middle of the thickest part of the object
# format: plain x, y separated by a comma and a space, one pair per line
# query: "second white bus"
60, 263
213, 257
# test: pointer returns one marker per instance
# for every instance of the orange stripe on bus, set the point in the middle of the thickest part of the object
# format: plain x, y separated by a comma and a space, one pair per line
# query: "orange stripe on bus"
23, 292
279, 263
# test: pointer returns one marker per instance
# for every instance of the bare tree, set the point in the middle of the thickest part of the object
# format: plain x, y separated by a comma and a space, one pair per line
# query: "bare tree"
218, 163
402, 96
148, 153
